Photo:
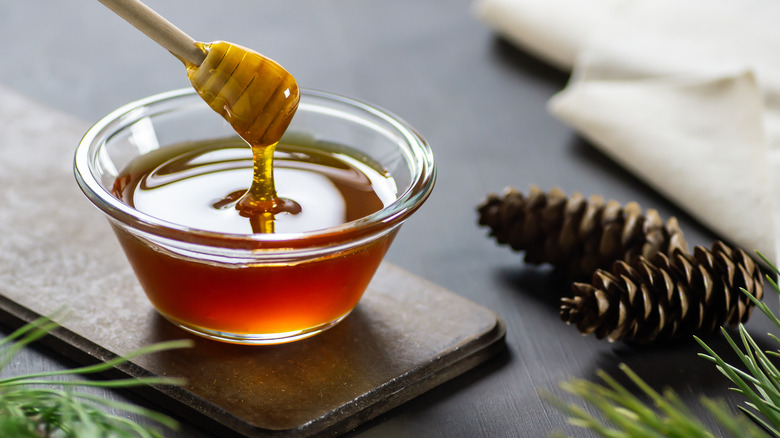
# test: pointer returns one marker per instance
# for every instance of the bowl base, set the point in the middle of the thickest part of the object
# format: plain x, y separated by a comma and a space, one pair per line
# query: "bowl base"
254, 339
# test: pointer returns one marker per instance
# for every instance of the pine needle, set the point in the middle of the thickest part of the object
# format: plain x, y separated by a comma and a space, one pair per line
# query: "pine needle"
625, 416
38, 405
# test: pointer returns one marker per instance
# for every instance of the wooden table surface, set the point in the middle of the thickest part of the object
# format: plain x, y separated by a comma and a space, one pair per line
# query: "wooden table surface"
480, 103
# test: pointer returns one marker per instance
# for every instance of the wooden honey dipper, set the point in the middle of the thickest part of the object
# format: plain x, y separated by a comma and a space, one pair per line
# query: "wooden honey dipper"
256, 95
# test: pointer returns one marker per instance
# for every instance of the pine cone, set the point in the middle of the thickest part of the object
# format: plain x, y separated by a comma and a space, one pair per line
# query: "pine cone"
682, 295
576, 234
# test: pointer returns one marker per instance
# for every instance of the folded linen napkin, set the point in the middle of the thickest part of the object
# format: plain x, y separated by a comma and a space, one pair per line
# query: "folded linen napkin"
685, 94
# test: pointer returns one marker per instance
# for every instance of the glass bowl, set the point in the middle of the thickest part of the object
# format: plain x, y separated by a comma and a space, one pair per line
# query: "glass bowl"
254, 288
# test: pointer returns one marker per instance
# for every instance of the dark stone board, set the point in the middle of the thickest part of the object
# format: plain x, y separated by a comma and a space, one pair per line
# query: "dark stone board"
405, 337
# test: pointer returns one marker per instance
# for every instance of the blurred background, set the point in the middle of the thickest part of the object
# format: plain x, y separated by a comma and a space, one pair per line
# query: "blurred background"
480, 103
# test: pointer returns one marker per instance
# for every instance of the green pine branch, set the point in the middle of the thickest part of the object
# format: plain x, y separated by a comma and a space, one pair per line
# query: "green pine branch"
43, 405
623, 415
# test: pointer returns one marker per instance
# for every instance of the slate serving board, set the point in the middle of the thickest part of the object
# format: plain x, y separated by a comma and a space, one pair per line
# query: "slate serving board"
405, 337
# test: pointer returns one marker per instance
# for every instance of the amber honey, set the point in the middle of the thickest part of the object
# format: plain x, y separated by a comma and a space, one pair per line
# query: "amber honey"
197, 185
347, 176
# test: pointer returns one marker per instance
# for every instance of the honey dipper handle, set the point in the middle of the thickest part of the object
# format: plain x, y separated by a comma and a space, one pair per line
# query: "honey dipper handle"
157, 28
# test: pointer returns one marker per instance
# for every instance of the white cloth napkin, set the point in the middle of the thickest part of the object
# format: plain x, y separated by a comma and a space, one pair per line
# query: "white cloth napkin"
684, 93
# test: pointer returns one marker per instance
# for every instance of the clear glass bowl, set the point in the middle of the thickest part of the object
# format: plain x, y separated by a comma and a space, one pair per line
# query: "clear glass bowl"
253, 288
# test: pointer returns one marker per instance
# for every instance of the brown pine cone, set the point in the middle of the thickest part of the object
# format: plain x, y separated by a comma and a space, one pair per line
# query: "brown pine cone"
576, 234
682, 295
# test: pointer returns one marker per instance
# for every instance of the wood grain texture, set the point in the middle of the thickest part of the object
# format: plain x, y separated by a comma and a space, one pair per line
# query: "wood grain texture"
478, 101
157, 28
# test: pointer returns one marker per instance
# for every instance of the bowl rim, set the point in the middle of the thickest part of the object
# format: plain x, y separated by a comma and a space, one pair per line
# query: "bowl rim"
377, 223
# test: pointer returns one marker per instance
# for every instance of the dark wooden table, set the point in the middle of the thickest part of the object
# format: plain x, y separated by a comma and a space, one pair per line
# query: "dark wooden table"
479, 102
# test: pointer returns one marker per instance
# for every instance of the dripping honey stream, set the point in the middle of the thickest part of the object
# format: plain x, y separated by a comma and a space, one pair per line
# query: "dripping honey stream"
258, 97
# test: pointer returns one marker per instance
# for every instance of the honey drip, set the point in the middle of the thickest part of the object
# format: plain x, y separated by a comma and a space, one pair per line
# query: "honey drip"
258, 97
196, 185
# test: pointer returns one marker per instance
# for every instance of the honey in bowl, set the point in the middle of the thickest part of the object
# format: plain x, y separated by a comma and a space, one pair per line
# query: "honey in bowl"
239, 264
202, 263
199, 184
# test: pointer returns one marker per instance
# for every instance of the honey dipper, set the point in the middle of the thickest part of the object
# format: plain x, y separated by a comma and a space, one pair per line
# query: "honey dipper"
257, 96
